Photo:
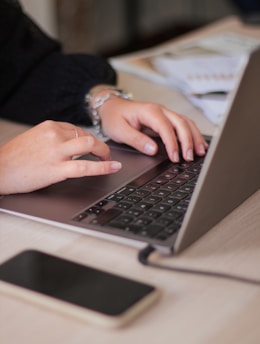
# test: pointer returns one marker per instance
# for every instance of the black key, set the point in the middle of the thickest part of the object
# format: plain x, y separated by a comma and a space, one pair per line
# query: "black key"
174, 215
126, 190
118, 225
115, 197
179, 194
175, 169
125, 227
186, 164
168, 175
134, 212
153, 214
124, 219
173, 228
160, 180
161, 207
169, 187
133, 199
141, 193
194, 169
170, 201
178, 181
186, 175
152, 199
161, 193
186, 189
151, 186
133, 228
80, 217
102, 203
163, 221
181, 206
95, 210
142, 221
123, 205
143, 205
151, 231
106, 216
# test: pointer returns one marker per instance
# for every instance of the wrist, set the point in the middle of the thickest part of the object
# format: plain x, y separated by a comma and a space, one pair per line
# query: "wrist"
95, 99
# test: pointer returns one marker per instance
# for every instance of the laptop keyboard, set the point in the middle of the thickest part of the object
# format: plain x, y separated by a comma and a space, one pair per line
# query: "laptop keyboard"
153, 205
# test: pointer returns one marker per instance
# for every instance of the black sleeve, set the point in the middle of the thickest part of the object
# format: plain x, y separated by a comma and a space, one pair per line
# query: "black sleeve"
38, 81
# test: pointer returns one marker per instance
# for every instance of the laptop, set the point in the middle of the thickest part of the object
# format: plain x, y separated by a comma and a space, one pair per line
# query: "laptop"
153, 201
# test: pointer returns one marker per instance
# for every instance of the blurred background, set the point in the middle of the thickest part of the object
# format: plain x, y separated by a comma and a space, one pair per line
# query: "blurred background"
114, 27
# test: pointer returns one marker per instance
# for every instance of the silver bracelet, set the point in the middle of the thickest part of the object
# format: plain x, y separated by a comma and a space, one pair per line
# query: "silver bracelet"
93, 103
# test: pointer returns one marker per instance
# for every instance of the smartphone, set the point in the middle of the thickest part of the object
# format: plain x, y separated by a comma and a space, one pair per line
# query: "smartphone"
87, 293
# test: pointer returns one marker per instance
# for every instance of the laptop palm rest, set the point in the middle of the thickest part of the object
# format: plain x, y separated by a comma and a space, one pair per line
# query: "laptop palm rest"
61, 201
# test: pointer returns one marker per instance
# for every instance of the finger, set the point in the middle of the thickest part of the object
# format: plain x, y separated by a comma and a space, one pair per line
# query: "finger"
72, 131
188, 134
184, 134
61, 130
77, 132
140, 115
161, 125
200, 145
135, 138
87, 144
83, 168
190, 138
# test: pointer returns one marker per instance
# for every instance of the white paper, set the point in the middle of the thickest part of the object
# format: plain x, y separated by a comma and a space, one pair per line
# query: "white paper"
230, 43
196, 64
200, 74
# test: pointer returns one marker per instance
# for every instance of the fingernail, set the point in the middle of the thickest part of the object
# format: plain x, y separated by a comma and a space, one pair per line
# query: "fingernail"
176, 157
115, 165
202, 149
190, 156
149, 148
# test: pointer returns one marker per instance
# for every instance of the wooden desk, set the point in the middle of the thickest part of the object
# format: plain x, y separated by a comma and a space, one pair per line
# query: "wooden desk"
192, 309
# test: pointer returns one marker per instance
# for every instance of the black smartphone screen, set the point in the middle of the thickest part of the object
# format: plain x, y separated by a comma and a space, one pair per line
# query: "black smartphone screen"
78, 284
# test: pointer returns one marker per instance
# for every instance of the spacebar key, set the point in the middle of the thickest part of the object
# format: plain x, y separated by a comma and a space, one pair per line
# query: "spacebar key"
106, 216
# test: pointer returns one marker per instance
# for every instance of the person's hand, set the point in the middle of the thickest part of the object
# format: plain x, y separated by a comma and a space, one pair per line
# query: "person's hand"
123, 121
43, 155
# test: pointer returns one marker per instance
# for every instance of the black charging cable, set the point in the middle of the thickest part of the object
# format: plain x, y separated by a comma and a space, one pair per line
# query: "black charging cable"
143, 257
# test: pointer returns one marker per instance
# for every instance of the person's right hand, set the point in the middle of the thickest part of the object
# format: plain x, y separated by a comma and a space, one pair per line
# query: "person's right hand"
43, 155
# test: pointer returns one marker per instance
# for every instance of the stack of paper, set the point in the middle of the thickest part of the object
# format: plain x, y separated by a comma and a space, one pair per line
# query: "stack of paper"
207, 65
206, 80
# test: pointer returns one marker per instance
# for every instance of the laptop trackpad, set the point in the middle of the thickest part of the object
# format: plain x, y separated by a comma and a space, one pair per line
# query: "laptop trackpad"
133, 162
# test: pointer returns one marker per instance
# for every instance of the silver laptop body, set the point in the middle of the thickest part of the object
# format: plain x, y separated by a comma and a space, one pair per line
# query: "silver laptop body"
230, 174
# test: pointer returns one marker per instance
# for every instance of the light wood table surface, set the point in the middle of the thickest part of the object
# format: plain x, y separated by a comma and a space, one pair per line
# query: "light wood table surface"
192, 309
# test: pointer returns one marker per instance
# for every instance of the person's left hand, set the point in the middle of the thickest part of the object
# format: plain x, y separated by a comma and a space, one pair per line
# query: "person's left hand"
124, 120
44, 155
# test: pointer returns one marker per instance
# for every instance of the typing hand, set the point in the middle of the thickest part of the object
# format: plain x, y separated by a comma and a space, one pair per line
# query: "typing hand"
123, 121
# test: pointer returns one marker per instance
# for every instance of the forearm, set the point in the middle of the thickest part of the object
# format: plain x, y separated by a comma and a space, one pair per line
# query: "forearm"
38, 81
56, 89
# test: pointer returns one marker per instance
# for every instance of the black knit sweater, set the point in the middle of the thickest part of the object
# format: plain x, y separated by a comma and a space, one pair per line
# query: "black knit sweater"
37, 80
